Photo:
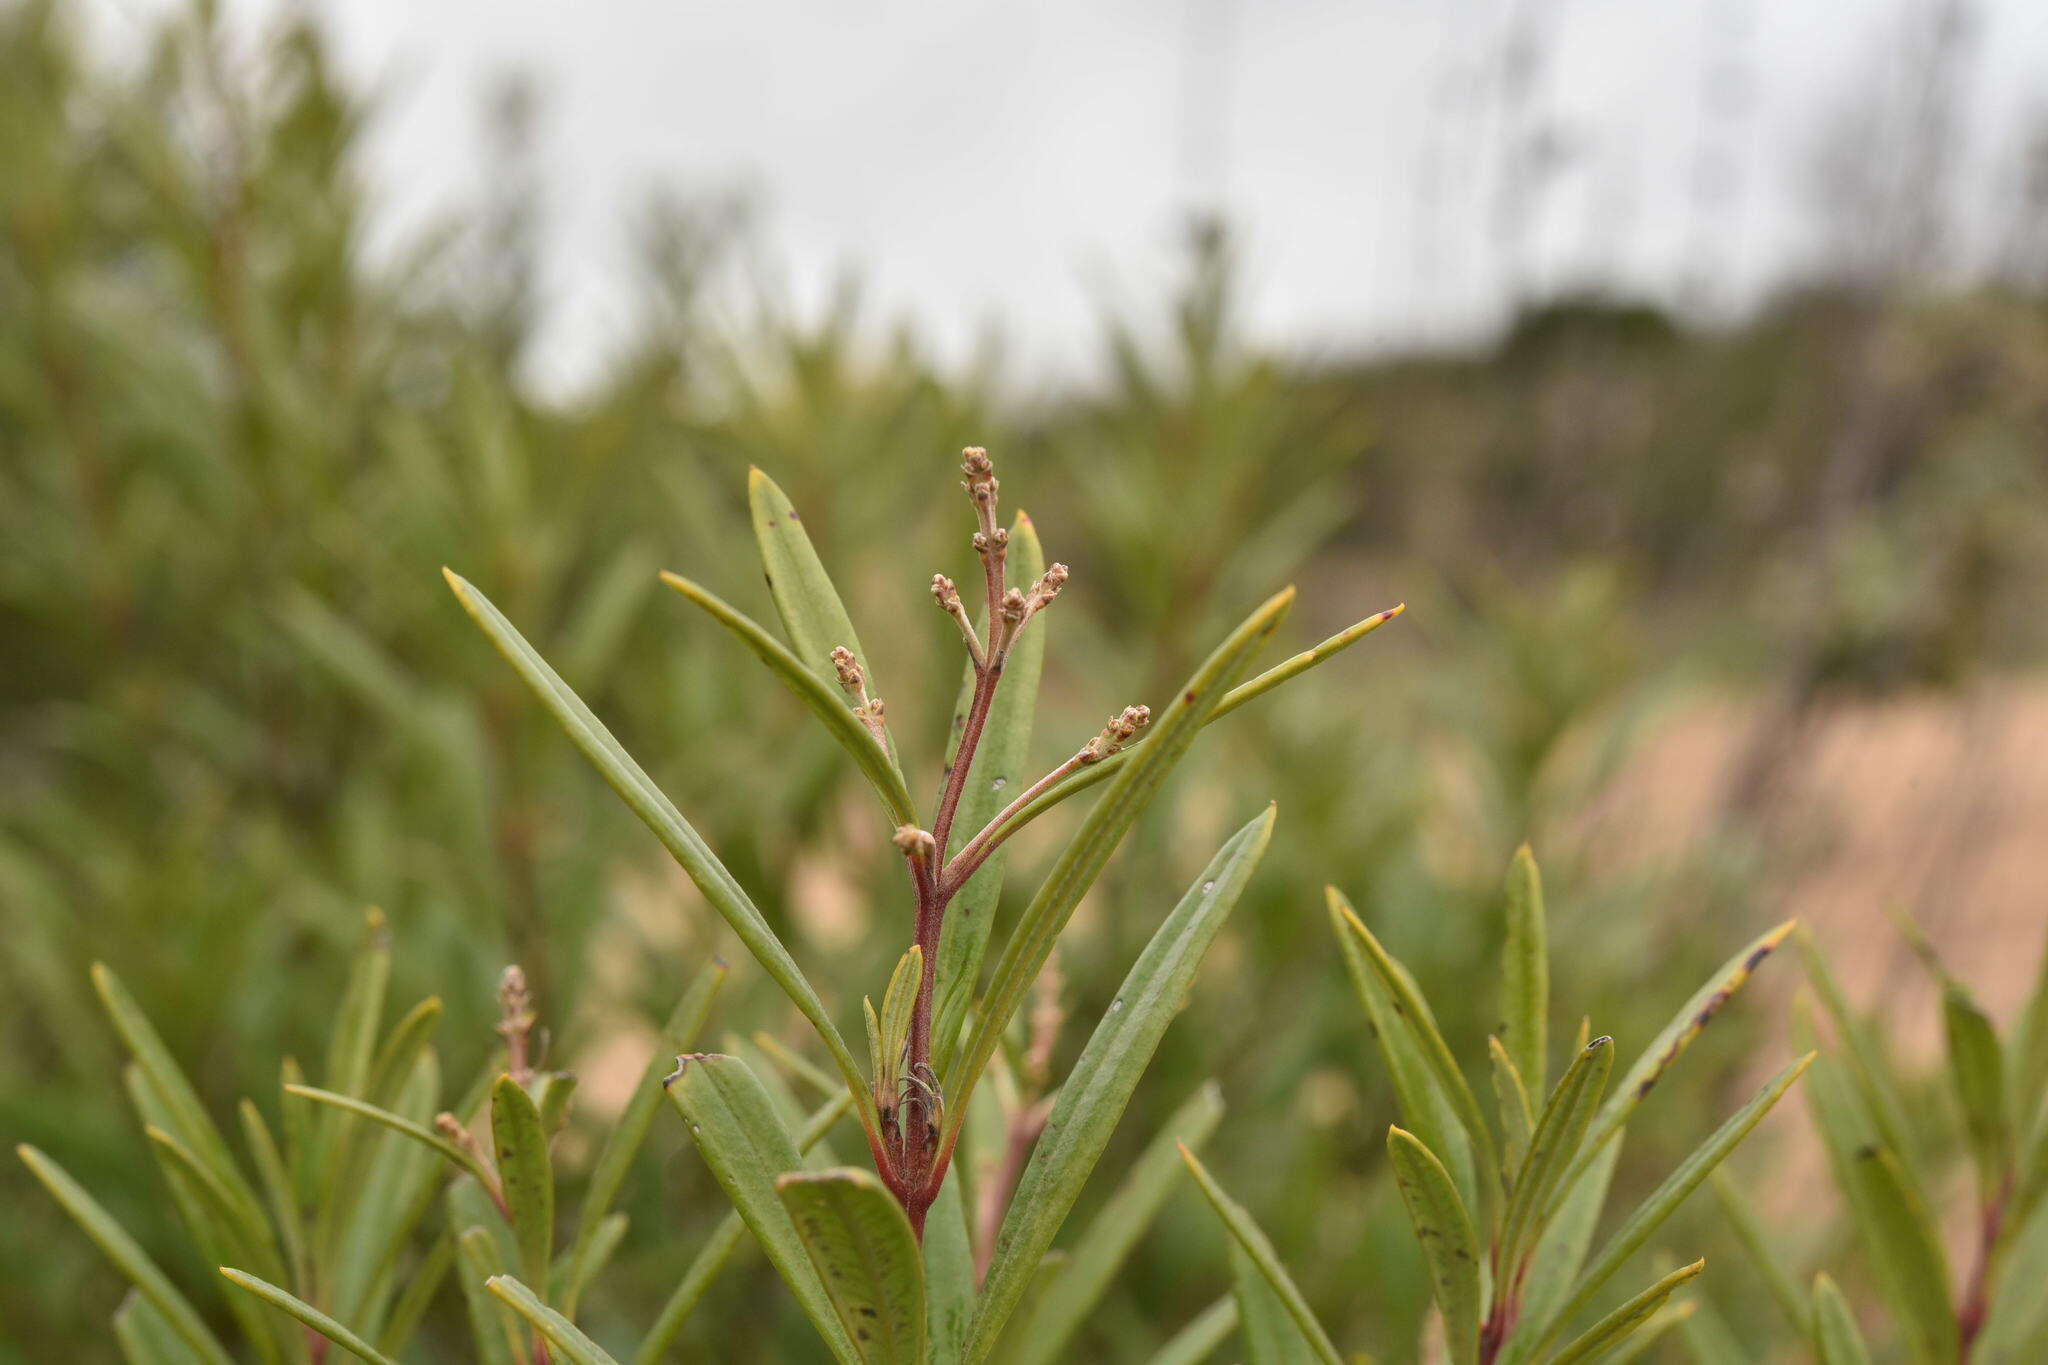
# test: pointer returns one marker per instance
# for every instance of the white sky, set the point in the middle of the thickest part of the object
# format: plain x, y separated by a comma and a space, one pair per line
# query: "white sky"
1019, 164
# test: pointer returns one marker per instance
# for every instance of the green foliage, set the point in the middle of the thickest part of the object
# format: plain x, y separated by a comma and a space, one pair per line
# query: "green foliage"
1505, 1266
361, 1278
1887, 1155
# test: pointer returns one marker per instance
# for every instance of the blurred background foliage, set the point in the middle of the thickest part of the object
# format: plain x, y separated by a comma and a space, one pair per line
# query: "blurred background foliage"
236, 704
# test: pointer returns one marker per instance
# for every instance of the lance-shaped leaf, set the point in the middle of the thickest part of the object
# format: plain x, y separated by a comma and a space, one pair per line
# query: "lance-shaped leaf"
888, 1036
659, 814
1675, 1188
1517, 1118
1249, 1240
461, 1156
1197, 1341
1042, 1337
747, 1149
1836, 1338
562, 1334
129, 1258
402, 1047
276, 1180
1082, 861
630, 1131
1874, 1075
949, 1287
144, 1337
1525, 974
1560, 1251
1763, 1253
1094, 1095
1449, 1246
821, 698
718, 1249
184, 1117
396, 1187
2030, 1048
1244, 692
1656, 1325
1898, 1233
1976, 1066
1677, 1035
216, 1223
352, 1044
1414, 1012
813, 617
526, 1174
1554, 1147
1271, 1335
857, 1236
305, 1312
494, 1327
1617, 1326
1424, 1106
997, 776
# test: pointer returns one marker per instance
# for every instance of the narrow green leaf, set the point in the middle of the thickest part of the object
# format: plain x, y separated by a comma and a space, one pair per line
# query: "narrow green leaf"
718, 1249
352, 1044
1251, 1242
1687, 1025
857, 1236
1271, 1335
1898, 1233
813, 617
949, 1287
2029, 1053
1424, 1107
402, 1046
185, 1117
1042, 1338
747, 1148
1618, 1325
552, 1093
628, 1134
1759, 1243
1709, 1340
1525, 974
1082, 861
821, 698
277, 1188
1197, 1341
494, 1327
1096, 1091
526, 1174
998, 775
1560, 1251
143, 1335
1449, 1246
1836, 1339
128, 1257
561, 1333
659, 814
1237, 696
798, 1066
1977, 1070
1436, 1054
1676, 1187
418, 1132
1871, 1068
1517, 1119
2016, 1328
305, 1312
1656, 1325
235, 1230
393, 1192
899, 1001
1554, 1148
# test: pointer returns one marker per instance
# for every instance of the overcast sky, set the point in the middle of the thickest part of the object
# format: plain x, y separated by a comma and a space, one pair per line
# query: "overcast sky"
1019, 163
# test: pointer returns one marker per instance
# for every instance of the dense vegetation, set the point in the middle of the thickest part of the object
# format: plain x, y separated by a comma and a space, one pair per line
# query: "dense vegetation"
237, 706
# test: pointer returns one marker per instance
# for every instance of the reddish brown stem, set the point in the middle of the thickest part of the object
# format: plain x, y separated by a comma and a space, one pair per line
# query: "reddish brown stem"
1976, 1304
